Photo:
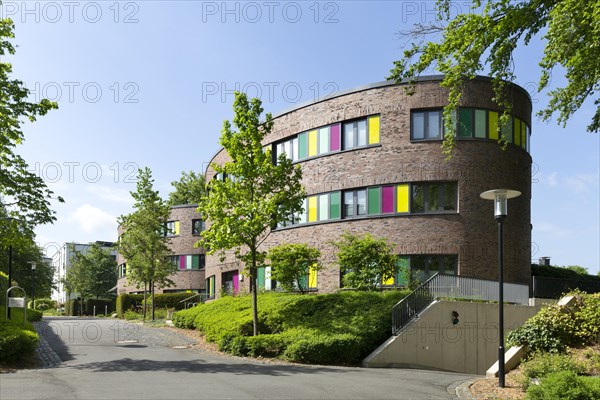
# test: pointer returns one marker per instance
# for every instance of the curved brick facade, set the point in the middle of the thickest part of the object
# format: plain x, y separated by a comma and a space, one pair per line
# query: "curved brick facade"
469, 234
181, 244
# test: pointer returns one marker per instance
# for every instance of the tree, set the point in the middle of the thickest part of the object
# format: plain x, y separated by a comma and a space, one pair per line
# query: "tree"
291, 264
489, 36
144, 242
577, 269
255, 195
189, 189
23, 195
365, 261
92, 274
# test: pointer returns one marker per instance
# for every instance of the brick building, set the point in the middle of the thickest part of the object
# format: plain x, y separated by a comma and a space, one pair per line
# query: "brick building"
184, 226
372, 162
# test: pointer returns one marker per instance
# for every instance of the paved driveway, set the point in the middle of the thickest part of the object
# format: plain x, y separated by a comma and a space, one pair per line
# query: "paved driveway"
109, 359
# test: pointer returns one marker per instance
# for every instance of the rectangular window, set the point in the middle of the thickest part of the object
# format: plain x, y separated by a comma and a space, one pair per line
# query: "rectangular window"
349, 133
295, 149
361, 202
355, 203
403, 266
312, 209
312, 143
312, 278
424, 267
374, 129
197, 226
302, 145
334, 137
507, 132
434, 197
426, 125
172, 228
323, 140
348, 204
387, 199
210, 286
362, 133
323, 207
493, 125
302, 216
374, 200
480, 124
523, 140
517, 131
465, 122
334, 205
402, 198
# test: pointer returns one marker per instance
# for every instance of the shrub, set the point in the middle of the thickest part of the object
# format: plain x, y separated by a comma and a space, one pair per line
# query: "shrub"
44, 304
325, 349
542, 364
16, 343
565, 385
126, 302
555, 328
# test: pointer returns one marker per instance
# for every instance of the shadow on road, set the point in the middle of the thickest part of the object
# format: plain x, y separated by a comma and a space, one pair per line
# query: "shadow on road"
199, 366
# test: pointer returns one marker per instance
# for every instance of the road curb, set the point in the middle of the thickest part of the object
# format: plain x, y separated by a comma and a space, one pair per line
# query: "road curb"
44, 352
460, 390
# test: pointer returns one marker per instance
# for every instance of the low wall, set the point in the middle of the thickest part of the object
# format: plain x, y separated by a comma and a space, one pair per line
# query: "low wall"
433, 341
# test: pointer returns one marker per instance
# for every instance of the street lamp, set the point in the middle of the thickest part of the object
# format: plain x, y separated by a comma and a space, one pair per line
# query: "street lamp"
500, 197
33, 265
9, 262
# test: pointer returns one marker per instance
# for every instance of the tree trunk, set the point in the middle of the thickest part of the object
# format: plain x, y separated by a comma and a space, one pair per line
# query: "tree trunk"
253, 285
144, 311
152, 288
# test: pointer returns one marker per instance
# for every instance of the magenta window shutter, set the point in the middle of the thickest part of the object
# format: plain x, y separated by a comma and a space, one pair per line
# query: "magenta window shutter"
388, 199
236, 283
181, 262
334, 137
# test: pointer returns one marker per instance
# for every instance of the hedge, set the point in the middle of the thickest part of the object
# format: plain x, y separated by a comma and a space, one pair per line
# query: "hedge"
339, 328
163, 300
73, 307
17, 343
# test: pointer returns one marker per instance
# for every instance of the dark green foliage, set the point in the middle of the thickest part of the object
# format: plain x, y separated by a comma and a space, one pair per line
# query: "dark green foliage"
339, 328
76, 307
565, 385
17, 342
541, 364
163, 300
558, 272
44, 304
554, 327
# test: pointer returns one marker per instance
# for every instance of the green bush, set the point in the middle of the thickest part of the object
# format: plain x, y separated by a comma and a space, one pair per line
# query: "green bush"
43, 304
555, 328
126, 302
542, 364
339, 328
16, 343
565, 385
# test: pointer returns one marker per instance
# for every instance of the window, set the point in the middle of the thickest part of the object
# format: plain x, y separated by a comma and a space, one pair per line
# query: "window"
309, 281
355, 203
434, 197
426, 125
263, 278
189, 262
361, 133
172, 228
210, 286
424, 267
122, 270
197, 226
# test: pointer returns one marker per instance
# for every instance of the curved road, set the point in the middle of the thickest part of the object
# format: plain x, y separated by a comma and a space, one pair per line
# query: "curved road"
110, 359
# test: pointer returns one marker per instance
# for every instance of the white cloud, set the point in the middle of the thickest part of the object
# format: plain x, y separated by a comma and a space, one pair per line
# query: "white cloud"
552, 179
581, 183
91, 219
110, 193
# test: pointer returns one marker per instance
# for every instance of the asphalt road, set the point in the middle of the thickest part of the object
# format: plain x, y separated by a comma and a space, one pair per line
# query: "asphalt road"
109, 359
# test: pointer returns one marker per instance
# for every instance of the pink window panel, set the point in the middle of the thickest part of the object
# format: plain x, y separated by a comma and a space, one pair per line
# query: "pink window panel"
334, 137
387, 205
181, 262
236, 283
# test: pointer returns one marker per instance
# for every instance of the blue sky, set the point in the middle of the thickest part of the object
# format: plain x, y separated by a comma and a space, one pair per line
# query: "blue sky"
149, 83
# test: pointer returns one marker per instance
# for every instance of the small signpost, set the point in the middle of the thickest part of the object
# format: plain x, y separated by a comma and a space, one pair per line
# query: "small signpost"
17, 302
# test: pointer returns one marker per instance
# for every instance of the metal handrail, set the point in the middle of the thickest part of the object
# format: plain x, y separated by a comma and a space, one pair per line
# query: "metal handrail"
191, 297
454, 287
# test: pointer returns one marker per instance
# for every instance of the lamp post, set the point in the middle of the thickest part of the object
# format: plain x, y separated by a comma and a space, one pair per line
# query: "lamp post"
500, 198
9, 263
33, 265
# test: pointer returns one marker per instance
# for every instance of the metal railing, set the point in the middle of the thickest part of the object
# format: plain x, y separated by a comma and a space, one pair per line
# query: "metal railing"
553, 288
454, 287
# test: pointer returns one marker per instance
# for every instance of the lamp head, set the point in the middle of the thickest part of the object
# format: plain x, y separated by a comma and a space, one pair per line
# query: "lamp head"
500, 197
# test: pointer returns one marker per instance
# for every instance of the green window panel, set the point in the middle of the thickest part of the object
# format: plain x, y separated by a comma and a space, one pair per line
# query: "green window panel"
302, 145
403, 266
465, 122
260, 277
480, 124
374, 202
335, 200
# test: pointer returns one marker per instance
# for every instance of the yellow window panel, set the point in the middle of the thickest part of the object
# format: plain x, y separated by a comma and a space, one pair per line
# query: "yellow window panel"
389, 282
493, 125
402, 198
517, 131
374, 130
523, 135
312, 277
312, 209
176, 228
312, 143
